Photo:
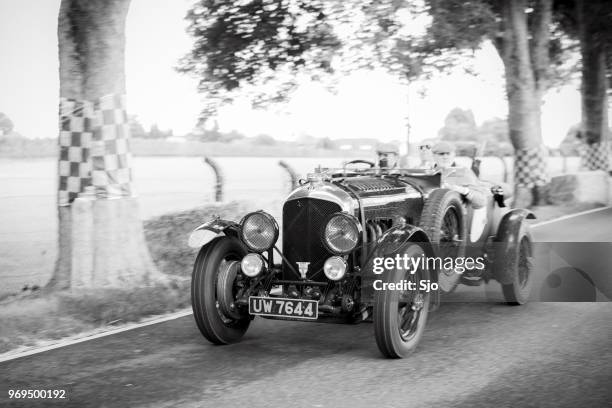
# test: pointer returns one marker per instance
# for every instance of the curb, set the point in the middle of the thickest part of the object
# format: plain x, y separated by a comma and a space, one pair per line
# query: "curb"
568, 216
83, 337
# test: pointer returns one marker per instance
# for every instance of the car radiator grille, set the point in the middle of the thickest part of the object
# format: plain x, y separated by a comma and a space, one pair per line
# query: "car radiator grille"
303, 223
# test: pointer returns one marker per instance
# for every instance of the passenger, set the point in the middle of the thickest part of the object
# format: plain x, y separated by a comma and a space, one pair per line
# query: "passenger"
459, 179
426, 156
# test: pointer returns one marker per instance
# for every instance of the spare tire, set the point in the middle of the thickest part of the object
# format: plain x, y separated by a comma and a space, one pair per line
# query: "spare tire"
443, 221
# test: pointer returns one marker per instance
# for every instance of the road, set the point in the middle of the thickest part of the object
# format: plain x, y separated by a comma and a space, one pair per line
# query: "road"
479, 354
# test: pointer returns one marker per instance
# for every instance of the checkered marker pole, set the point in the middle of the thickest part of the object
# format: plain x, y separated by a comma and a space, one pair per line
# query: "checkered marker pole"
74, 149
111, 160
530, 167
94, 149
594, 156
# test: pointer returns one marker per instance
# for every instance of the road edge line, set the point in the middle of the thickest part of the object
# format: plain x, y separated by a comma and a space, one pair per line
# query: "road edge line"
568, 216
80, 339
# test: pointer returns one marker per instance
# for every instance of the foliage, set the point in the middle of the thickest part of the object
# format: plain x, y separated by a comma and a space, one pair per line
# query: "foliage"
6, 124
157, 133
459, 25
17, 146
167, 235
265, 140
460, 128
215, 135
495, 133
136, 128
494, 130
325, 143
238, 43
598, 16
459, 124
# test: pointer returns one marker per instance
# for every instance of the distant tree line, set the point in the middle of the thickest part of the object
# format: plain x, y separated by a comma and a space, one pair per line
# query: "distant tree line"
6, 124
460, 127
138, 130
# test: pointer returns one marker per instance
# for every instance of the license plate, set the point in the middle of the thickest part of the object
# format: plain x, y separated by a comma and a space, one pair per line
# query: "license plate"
280, 307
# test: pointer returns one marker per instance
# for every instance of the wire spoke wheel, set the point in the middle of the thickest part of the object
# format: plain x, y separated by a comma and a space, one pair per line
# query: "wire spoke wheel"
409, 313
450, 235
520, 267
400, 315
228, 284
524, 263
214, 285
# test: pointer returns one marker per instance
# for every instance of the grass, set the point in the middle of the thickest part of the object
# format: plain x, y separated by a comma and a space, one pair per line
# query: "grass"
45, 317
35, 317
167, 235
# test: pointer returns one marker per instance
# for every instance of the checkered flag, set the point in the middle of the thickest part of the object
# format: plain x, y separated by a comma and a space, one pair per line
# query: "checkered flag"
74, 149
94, 149
530, 167
594, 156
111, 160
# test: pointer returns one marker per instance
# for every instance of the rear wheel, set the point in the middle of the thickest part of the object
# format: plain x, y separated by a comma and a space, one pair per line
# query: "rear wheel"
517, 292
400, 315
215, 279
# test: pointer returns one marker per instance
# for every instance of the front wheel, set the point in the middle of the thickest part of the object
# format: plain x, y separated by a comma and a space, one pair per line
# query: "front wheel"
212, 279
400, 315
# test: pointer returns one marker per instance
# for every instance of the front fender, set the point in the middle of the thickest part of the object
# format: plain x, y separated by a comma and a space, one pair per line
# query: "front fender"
389, 244
506, 242
211, 229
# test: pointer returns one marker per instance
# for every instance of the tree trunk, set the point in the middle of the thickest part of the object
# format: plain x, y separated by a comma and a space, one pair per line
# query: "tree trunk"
101, 240
594, 86
526, 76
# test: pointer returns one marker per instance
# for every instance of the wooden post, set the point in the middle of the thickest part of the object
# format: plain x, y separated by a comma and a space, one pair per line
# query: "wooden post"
292, 174
505, 165
218, 178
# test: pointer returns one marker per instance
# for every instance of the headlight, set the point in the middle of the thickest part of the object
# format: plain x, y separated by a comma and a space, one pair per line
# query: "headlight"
342, 233
258, 231
251, 265
334, 268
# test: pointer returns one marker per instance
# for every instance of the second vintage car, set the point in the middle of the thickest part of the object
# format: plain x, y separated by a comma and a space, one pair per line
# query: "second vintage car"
336, 227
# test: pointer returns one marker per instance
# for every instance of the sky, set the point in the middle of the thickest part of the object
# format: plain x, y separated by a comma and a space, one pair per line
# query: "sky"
367, 104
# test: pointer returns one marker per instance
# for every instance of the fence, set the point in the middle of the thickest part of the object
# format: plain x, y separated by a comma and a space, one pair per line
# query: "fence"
494, 168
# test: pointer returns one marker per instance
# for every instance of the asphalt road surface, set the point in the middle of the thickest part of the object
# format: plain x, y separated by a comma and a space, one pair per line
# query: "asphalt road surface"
478, 354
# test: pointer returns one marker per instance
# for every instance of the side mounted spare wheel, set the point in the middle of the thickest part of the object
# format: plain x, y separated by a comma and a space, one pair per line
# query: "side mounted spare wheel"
443, 221
214, 281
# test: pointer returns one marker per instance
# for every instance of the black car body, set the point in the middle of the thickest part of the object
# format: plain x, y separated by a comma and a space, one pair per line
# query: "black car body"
340, 221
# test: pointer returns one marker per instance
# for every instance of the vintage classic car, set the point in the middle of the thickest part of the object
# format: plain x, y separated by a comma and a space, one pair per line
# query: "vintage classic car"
336, 227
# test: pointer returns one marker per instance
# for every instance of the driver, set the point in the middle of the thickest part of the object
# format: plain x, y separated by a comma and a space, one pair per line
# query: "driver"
388, 156
459, 179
